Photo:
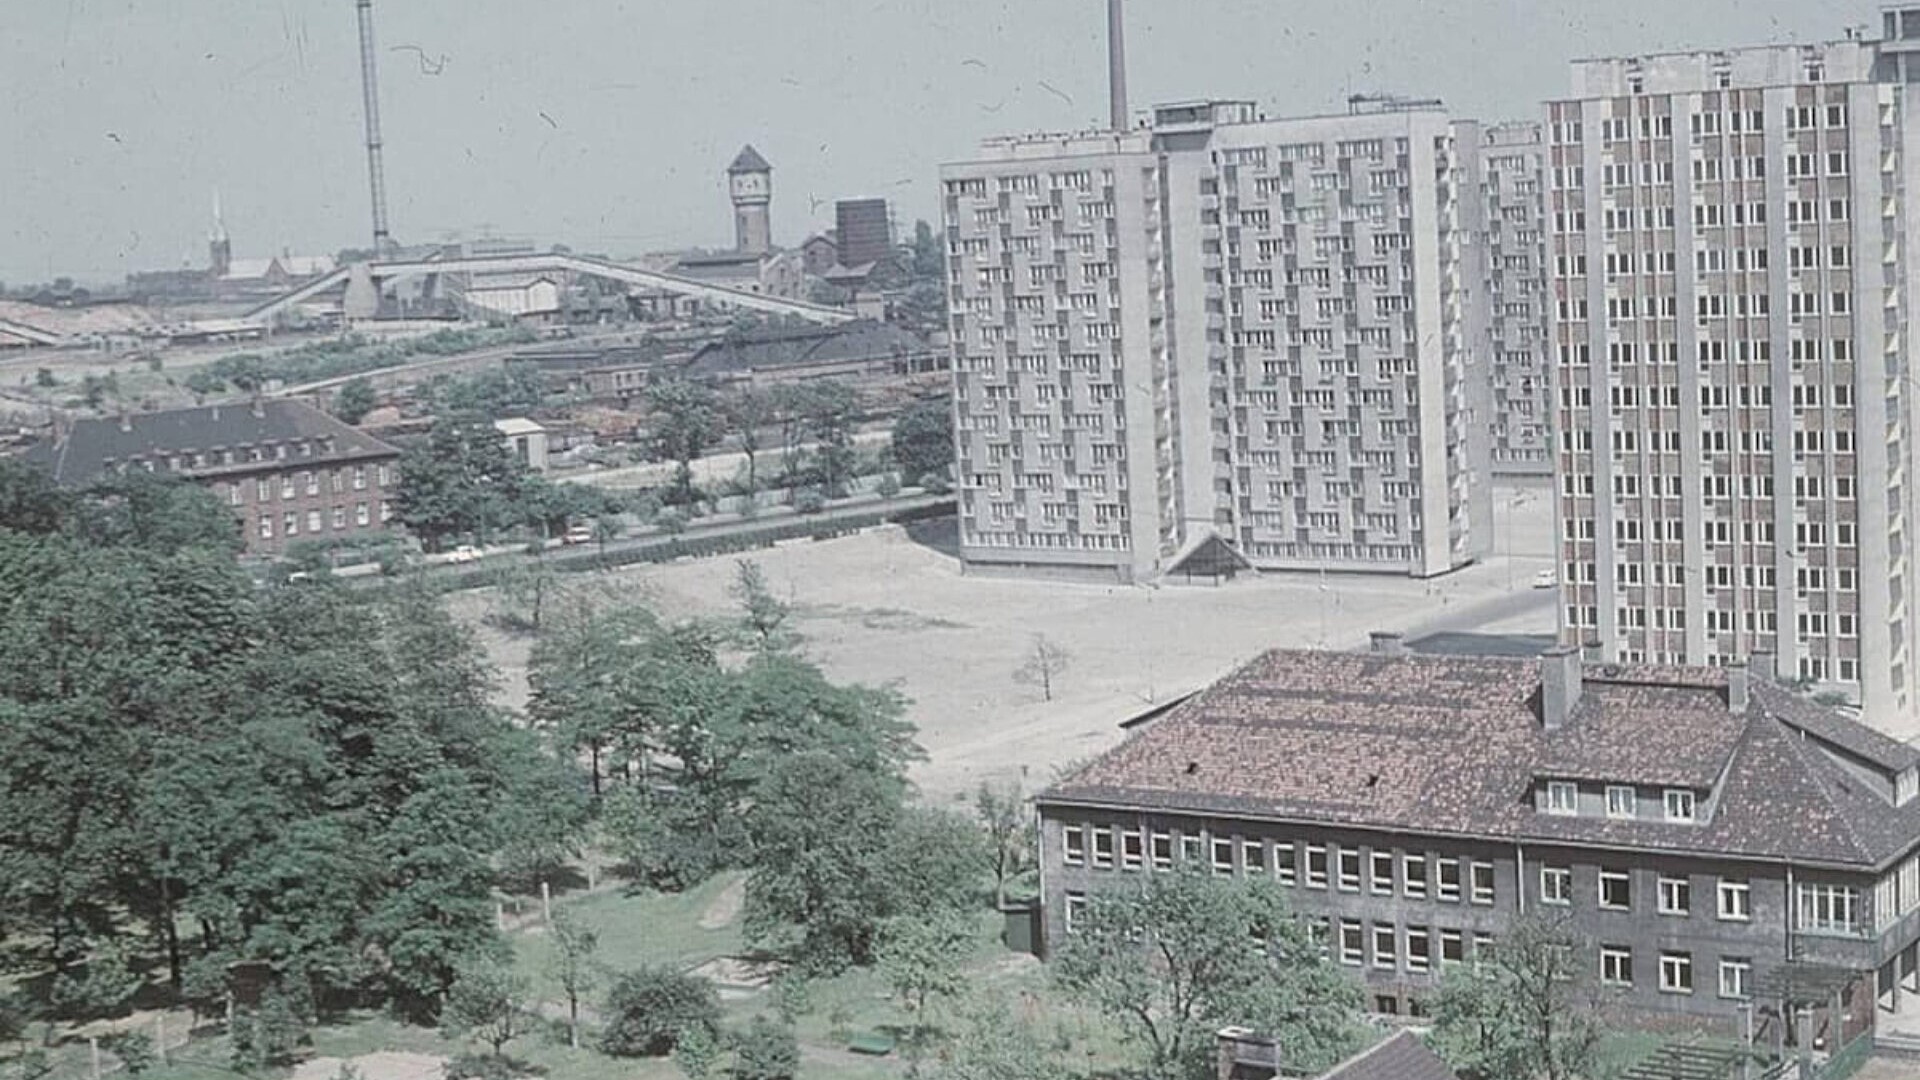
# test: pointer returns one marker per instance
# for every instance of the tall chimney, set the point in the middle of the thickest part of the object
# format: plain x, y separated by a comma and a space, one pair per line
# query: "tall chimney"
1117, 63
1738, 688
1559, 685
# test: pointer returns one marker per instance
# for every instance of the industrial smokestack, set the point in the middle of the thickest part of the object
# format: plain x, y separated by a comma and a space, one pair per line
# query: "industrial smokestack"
1117, 64
370, 92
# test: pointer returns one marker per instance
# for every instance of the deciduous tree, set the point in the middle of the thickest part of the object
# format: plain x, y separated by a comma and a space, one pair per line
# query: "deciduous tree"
1531, 1009
1045, 661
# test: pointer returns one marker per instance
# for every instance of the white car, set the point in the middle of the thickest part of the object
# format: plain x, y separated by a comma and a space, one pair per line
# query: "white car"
463, 554
1545, 579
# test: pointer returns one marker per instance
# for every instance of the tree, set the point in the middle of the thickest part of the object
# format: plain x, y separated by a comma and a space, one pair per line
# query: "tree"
1003, 812
992, 1042
571, 965
763, 615
923, 440
929, 255
747, 412
1045, 661
766, 1050
683, 420
461, 480
829, 410
650, 1010
487, 1000
1182, 954
921, 957
1532, 1009
354, 400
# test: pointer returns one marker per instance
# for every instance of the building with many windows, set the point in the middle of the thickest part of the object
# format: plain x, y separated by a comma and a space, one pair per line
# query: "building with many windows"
1704, 829
1516, 409
1730, 283
1223, 328
289, 471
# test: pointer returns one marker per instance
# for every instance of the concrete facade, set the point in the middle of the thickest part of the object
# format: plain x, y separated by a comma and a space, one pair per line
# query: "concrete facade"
1730, 285
1273, 331
1519, 417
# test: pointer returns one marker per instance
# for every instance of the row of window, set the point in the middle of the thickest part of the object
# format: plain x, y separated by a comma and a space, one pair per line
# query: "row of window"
1413, 875
289, 485
1674, 894
1623, 801
290, 521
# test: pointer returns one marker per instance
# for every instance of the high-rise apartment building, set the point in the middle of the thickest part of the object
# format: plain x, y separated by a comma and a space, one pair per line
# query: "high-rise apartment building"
1221, 330
1731, 239
1518, 416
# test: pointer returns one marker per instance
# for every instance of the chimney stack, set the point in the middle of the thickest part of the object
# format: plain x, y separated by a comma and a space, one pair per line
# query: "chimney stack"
1738, 688
1387, 643
1117, 64
1559, 685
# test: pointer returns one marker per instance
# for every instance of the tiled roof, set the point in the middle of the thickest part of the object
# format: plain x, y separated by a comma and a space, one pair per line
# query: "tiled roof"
1402, 1057
749, 160
93, 445
1454, 745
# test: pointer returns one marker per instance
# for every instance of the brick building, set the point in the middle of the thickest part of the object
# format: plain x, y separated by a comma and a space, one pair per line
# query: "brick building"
1708, 833
289, 471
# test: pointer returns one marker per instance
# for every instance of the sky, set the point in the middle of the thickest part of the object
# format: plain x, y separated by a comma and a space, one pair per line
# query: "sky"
607, 124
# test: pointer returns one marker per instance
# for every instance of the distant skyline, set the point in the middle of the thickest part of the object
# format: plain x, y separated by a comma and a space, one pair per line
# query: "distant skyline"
607, 125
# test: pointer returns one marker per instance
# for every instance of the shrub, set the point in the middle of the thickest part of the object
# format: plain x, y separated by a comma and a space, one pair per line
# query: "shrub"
809, 501
268, 1035
133, 1048
765, 1050
480, 1067
650, 1010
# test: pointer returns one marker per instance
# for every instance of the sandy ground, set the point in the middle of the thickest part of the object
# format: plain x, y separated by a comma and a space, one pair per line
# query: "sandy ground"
882, 608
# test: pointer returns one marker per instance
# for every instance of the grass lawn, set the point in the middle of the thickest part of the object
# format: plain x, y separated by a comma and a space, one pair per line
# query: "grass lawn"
636, 930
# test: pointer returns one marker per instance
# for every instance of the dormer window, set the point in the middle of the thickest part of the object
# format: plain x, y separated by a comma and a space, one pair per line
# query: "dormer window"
1562, 797
1679, 804
1621, 801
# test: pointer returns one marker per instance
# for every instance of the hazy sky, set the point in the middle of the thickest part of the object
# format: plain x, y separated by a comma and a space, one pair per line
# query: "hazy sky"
606, 123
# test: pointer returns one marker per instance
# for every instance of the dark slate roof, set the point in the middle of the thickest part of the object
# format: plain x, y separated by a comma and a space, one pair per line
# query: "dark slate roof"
749, 160
1453, 745
762, 350
1402, 1057
93, 446
1823, 723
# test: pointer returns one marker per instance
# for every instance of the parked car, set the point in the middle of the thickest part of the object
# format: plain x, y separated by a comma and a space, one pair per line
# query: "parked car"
465, 553
1545, 579
579, 534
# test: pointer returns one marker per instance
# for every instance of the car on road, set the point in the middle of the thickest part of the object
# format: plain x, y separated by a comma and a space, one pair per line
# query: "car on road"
465, 553
579, 534
1545, 579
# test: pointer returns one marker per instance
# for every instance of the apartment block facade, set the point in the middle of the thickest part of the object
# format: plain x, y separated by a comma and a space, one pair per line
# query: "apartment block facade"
1704, 832
1269, 332
1518, 416
1731, 236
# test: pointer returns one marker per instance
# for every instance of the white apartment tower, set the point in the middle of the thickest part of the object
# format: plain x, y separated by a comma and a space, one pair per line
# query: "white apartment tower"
1222, 332
1518, 415
1731, 245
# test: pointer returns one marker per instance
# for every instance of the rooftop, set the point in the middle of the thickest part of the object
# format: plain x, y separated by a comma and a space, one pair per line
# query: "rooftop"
1455, 745
94, 446
1402, 1057
762, 350
749, 160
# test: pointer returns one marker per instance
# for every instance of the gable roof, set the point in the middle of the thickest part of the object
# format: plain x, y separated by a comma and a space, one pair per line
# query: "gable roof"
749, 160
94, 446
1453, 745
1402, 1057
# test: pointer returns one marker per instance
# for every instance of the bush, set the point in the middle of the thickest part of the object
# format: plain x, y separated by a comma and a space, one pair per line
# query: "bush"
269, 1035
673, 522
133, 1048
480, 1067
662, 840
765, 1050
650, 1010
809, 501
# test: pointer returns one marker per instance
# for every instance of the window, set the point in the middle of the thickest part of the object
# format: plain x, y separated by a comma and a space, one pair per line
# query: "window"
1316, 866
1283, 867
1562, 797
1833, 909
1676, 895
1253, 857
1453, 947
1133, 853
262, 489
311, 482
1736, 900
286, 486
1679, 804
1162, 851
266, 526
1413, 873
313, 521
1103, 847
290, 523
360, 513
1382, 872
1480, 879
1419, 949
339, 517
1616, 965
1076, 911
359, 478
1385, 953
1616, 890
1349, 869
233, 494
1736, 978
1676, 973
1556, 885
1190, 848
1620, 801
1447, 879
1222, 855
1352, 943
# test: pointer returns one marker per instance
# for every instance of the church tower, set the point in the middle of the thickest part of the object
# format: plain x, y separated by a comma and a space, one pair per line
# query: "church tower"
219, 248
750, 184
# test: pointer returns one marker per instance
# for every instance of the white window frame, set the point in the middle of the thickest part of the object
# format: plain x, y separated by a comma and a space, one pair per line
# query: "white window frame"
1377, 883
1419, 959
1742, 909
1607, 876
1216, 863
1390, 961
1442, 889
1556, 885
1072, 910
1742, 969
1347, 882
1669, 884
1285, 870
1611, 958
1673, 965
1619, 794
1476, 894
1253, 856
1563, 797
1160, 851
1103, 847
1312, 879
1133, 849
1682, 800
1193, 848
1413, 875
1353, 953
